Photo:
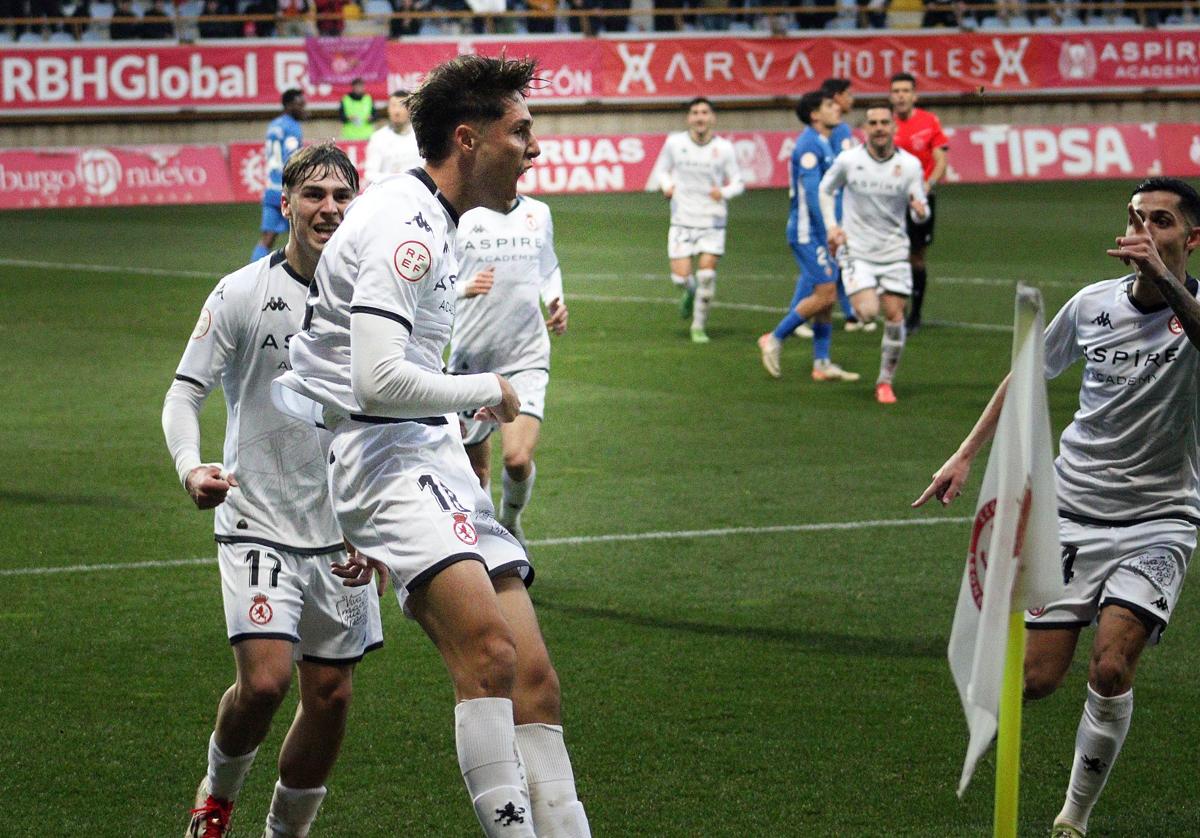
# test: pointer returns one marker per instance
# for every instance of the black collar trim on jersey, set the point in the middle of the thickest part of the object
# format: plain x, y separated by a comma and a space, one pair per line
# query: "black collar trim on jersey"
423, 176
516, 204
1191, 284
280, 257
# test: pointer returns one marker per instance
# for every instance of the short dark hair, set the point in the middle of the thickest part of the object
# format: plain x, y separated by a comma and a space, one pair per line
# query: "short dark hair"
808, 103
908, 77
289, 96
835, 86
317, 161
468, 88
1189, 200
400, 94
700, 100
356, 80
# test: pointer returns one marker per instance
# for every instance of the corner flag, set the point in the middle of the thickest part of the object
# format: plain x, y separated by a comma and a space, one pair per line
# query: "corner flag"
1014, 555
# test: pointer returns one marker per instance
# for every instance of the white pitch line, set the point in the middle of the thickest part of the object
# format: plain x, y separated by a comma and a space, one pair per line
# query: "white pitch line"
605, 277
547, 542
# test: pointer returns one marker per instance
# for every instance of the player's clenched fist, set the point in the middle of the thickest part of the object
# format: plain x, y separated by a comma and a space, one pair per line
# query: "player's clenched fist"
208, 487
506, 409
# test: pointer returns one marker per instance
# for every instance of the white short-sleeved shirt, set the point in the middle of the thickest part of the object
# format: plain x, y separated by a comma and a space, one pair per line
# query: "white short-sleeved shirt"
875, 201
389, 153
1132, 450
393, 257
503, 331
240, 344
695, 169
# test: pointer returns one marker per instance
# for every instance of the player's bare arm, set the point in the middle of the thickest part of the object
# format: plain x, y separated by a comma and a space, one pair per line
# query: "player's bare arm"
948, 481
208, 487
557, 321
939, 169
1137, 247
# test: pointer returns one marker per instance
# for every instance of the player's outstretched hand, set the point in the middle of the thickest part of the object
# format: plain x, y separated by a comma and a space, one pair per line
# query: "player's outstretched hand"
920, 209
358, 570
208, 485
557, 321
506, 409
668, 191
1138, 248
947, 481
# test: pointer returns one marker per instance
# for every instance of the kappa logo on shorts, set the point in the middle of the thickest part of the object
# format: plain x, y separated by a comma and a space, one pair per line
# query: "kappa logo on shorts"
463, 529
1161, 604
260, 611
412, 260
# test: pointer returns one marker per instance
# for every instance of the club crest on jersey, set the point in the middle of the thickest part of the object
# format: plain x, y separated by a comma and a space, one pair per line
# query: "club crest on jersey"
202, 325
896, 170
463, 529
412, 260
808, 160
1175, 326
260, 610
530, 221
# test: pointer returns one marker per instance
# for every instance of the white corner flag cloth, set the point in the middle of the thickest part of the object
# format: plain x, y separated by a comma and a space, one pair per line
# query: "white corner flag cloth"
1013, 562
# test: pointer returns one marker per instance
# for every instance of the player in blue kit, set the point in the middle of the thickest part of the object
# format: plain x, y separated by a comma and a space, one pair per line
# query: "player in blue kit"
284, 137
816, 287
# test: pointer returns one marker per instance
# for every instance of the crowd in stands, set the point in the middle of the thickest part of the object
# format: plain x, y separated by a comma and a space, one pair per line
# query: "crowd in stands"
190, 20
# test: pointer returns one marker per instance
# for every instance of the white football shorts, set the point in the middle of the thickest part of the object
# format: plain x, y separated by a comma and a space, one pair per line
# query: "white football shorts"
275, 594
685, 242
405, 494
531, 389
890, 277
1140, 567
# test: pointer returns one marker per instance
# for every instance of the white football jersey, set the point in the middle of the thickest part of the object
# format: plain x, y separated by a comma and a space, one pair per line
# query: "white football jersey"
503, 331
389, 153
694, 170
240, 344
1132, 450
875, 201
392, 256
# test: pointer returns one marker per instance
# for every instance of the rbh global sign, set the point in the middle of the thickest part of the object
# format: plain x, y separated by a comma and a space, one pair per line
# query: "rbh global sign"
38, 79
595, 163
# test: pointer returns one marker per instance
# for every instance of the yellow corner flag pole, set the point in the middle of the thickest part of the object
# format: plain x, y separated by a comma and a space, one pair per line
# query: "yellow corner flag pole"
1008, 741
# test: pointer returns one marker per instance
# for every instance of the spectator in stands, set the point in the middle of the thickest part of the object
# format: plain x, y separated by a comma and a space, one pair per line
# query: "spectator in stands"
452, 6
329, 17
294, 18
541, 23
47, 9
399, 27
357, 112
125, 24
219, 28
941, 13
873, 13
157, 23
80, 17
259, 28
579, 23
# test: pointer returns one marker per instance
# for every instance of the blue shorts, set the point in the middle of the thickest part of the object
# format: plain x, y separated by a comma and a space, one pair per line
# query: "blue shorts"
816, 268
273, 220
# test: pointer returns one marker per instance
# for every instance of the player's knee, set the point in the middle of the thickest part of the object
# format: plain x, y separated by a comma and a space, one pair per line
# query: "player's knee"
1111, 672
826, 292
540, 695
517, 463
332, 693
1042, 679
264, 690
492, 663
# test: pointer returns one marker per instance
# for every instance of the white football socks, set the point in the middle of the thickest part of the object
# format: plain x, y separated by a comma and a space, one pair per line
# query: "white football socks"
706, 289
225, 773
1098, 740
514, 495
890, 350
293, 811
681, 281
487, 755
557, 812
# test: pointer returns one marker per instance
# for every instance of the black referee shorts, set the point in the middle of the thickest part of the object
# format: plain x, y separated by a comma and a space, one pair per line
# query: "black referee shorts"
921, 235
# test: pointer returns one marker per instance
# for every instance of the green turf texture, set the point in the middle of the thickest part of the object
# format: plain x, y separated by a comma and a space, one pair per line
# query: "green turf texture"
749, 684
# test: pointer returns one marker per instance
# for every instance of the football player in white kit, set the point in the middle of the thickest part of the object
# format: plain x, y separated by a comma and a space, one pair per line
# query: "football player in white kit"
699, 173
368, 365
1128, 475
393, 147
883, 184
275, 527
509, 270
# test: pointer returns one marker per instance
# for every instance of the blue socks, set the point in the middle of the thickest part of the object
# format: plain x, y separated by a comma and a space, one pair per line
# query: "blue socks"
822, 339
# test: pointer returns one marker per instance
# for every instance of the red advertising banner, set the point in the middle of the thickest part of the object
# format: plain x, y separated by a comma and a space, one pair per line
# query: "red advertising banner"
149, 77
597, 163
82, 177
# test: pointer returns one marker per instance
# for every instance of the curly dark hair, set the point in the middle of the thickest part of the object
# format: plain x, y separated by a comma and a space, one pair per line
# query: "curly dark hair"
466, 89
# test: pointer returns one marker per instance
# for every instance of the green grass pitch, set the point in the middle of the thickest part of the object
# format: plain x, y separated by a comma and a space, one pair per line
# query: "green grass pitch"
751, 683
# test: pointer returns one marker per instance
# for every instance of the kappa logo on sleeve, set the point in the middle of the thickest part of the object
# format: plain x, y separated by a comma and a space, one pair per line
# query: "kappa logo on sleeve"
412, 260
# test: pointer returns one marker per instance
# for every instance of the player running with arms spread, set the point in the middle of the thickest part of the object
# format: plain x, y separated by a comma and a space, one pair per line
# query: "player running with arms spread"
368, 365
1128, 475
510, 270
